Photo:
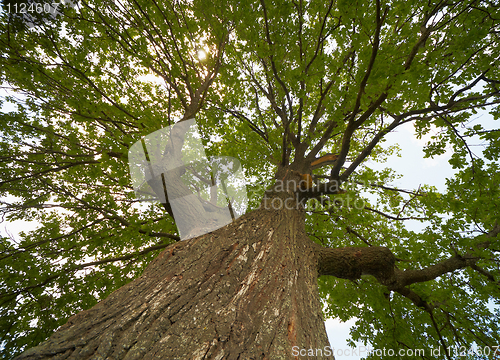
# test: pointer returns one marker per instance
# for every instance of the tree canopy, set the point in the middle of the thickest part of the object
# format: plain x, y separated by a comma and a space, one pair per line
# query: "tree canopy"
271, 83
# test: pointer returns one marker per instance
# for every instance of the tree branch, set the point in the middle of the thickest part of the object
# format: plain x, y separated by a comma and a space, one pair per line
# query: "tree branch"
352, 262
74, 268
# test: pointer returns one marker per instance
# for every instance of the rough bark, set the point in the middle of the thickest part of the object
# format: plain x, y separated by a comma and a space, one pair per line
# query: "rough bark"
245, 291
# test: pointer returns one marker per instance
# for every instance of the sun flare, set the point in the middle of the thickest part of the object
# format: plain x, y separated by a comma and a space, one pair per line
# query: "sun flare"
202, 54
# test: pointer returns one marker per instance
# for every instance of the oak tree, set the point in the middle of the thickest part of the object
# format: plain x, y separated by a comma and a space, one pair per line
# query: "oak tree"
276, 84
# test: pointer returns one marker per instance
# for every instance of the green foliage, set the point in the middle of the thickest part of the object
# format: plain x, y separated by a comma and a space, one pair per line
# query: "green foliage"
281, 80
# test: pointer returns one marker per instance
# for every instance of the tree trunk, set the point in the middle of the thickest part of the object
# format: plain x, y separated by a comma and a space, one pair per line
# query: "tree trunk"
245, 291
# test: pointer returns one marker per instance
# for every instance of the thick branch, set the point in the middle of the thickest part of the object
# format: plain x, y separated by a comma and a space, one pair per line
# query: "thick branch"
352, 262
